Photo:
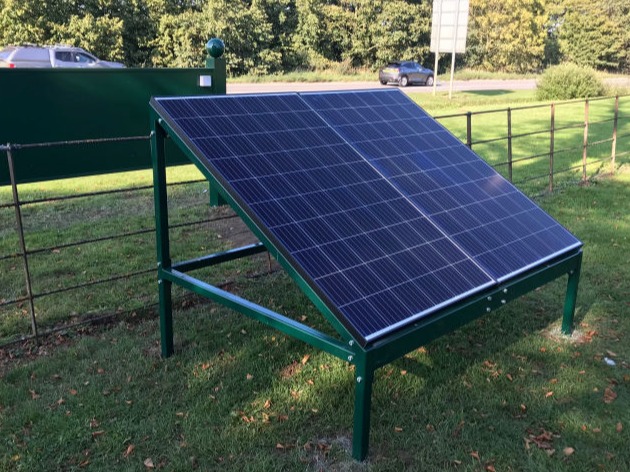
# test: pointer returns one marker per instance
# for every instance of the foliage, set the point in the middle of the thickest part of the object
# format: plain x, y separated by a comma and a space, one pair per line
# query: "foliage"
568, 81
266, 36
592, 34
506, 36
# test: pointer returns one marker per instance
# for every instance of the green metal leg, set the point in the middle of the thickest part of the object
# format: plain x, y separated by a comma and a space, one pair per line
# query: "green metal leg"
215, 198
364, 377
166, 317
571, 298
162, 235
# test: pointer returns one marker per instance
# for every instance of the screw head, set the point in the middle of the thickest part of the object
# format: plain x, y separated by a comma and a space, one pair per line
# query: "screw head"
350, 358
488, 309
359, 379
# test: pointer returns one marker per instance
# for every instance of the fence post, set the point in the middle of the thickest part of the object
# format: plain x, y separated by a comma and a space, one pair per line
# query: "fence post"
469, 130
20, 229
509, 143
551, 145
585, 143
613, 154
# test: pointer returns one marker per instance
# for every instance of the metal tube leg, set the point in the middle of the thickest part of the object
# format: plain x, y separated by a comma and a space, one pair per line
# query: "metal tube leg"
364, 377
571, 298
166, 317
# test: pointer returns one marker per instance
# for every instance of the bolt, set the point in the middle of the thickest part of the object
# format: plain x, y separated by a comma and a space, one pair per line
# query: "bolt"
351, 343
503, 302
505, 290
488, 309
489, 299
359, 379
350, 358
159, 281
571, 272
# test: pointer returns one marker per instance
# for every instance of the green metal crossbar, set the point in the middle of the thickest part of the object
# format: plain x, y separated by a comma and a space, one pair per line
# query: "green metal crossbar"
366, 359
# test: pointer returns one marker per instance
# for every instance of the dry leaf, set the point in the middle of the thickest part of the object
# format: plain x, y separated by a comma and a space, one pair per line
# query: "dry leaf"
403, 372
267, 404
249, 376
490, 468
279, 446
619, 427
398, 429
611, 354
34, 394
148, 463
548, 394
475, 455
509, 377
305, 358
609, 395
129, 450
568, 451
96, 434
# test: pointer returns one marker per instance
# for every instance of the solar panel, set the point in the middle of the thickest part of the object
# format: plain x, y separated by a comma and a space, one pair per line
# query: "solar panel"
374, 258
489, 218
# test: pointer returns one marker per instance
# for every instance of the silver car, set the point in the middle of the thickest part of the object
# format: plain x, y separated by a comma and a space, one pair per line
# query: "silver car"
50, 56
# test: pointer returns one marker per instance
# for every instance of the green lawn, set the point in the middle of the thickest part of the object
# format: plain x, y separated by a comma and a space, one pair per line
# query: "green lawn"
506, 391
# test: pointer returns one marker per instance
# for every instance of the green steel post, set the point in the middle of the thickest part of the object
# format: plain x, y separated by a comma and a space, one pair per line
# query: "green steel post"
215, 197
215, 49
363, 377
161, 234
571, 298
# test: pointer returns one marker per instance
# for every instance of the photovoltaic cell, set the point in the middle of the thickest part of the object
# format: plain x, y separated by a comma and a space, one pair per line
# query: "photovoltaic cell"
362, 245
483, 213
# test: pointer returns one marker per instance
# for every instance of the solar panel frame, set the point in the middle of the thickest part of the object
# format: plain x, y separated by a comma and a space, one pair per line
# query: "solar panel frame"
412, 159
362, 333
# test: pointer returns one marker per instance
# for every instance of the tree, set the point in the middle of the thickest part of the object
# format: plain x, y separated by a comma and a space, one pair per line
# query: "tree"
592, 34
506, 35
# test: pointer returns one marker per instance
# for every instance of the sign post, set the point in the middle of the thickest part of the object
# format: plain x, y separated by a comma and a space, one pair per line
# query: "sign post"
448, 32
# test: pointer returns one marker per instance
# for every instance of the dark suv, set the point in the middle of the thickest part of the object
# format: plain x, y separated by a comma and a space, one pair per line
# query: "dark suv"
405, 73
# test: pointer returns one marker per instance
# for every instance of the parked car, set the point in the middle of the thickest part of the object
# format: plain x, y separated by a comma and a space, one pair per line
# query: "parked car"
50, 56
405, 73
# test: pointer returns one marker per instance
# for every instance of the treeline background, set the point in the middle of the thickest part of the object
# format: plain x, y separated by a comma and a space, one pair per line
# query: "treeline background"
265, 36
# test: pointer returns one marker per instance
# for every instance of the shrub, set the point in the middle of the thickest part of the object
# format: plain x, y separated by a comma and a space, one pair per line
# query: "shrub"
568, 81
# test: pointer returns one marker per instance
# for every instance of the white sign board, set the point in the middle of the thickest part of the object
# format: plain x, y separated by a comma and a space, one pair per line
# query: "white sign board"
450, 26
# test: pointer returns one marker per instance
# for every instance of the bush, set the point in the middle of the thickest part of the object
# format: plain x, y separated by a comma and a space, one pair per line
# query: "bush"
568, 81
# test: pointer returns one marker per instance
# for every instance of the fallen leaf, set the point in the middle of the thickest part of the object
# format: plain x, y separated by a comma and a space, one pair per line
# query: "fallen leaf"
267, 404
96, 434
73, 391
85, 463
609, 395
490, 468
398, 429
475, 455
619, 427
34, 394
249, 376
403, 372
148, 463
129, 450
568, 451
611, 354
509, 377
597, 430
548, 394
553, 381
279, 446
305, 358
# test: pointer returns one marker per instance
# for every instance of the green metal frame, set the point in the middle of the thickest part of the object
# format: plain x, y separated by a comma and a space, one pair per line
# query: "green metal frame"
366, 359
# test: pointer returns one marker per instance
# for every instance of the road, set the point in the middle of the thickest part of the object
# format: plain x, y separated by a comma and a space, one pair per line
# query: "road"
458, 85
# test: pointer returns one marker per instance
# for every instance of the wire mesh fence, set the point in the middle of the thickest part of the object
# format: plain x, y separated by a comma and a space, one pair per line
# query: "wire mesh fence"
77, 250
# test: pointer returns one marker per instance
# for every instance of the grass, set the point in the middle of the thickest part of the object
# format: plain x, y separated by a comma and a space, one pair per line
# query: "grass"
506, 392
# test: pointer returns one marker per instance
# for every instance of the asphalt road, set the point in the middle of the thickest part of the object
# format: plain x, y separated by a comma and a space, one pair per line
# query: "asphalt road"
458, 85
442, 86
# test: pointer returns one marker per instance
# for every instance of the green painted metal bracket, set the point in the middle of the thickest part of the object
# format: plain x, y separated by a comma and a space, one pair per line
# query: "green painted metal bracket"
271, 318
220, 257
